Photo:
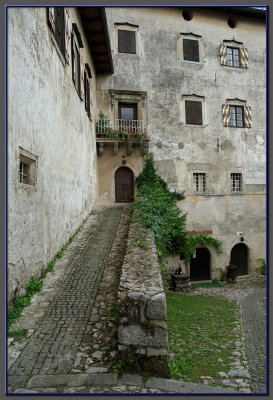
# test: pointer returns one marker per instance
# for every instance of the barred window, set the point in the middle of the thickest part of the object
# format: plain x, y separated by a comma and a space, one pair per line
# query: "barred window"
236, 182
199, 182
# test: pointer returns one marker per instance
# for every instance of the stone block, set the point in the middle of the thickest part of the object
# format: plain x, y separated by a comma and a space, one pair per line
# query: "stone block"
136, 335
135, 295
156, 307
153, 351
131, 379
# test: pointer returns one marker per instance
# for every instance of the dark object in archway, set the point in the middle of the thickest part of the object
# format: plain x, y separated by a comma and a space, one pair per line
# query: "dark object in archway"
239, 257
200, 265
231, 272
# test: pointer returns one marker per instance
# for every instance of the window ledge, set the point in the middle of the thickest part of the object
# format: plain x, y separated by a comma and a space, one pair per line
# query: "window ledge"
58, 50
192, 62
26, 186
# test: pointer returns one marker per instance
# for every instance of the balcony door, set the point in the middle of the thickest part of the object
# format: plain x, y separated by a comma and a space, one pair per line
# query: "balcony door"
127, 114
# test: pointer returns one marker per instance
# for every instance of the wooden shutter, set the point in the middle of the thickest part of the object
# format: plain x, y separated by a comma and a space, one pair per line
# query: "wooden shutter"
81, 78
193, 112
226, 114
51, 18
126, 41
223, 54
247, 117
73, 55
191, 50
66, 35
244, 57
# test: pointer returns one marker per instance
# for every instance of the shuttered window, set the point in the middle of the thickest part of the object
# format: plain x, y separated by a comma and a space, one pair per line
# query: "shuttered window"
126, 41
58, 21
236, 116
191, 50
75, 64
193, 112
59, 32
87, 95
233, 57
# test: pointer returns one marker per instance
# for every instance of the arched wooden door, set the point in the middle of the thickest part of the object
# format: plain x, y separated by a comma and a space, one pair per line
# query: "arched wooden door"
200, 265
124, 185
239, 257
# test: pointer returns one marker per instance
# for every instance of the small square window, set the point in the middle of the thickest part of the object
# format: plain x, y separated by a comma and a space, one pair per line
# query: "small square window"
126, 41
193, 112
200, 182
27, 168
191, 50
236, 182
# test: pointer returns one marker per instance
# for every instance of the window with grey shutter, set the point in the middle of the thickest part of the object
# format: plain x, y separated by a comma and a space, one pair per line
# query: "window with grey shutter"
193, 112
126, 41
191, 50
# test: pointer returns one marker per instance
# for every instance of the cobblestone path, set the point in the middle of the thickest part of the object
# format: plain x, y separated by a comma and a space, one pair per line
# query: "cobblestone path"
255, 333
53, 347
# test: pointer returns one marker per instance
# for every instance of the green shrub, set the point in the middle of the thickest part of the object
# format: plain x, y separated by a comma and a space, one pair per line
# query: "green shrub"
33, 286
159, 213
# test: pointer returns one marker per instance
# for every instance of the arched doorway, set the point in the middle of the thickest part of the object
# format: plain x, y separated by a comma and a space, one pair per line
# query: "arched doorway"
124, 185
239, 257
200, 265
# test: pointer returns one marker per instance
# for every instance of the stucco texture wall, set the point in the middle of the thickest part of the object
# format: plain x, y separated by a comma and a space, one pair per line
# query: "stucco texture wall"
46, 118
180, 149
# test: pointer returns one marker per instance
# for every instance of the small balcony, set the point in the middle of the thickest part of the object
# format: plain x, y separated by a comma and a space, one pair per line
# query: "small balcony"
130, 132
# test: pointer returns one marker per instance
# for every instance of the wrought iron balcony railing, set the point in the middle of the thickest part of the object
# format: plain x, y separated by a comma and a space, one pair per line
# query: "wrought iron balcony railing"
121, 129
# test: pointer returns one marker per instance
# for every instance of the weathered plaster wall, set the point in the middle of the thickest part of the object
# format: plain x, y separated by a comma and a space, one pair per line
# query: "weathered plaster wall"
47, 118
142, 305
180, 149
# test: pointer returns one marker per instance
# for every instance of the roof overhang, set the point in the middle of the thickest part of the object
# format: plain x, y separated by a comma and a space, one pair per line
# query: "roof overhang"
96, 31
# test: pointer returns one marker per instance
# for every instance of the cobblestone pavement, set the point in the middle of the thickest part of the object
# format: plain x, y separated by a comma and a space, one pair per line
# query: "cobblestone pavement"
72, 326
53, 347
255, 333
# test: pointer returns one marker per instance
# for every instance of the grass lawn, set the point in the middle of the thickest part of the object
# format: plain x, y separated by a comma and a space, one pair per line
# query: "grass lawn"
200, 333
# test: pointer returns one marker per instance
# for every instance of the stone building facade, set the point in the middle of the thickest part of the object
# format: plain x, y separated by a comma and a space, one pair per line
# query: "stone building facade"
197, 78
192, 79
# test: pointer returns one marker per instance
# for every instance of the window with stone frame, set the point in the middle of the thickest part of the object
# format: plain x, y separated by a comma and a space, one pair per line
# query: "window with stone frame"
193, 112
27, 168
200, 182
236, 182
126, 41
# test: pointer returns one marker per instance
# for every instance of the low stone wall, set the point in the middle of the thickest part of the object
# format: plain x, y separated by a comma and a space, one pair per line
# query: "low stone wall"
142, 331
